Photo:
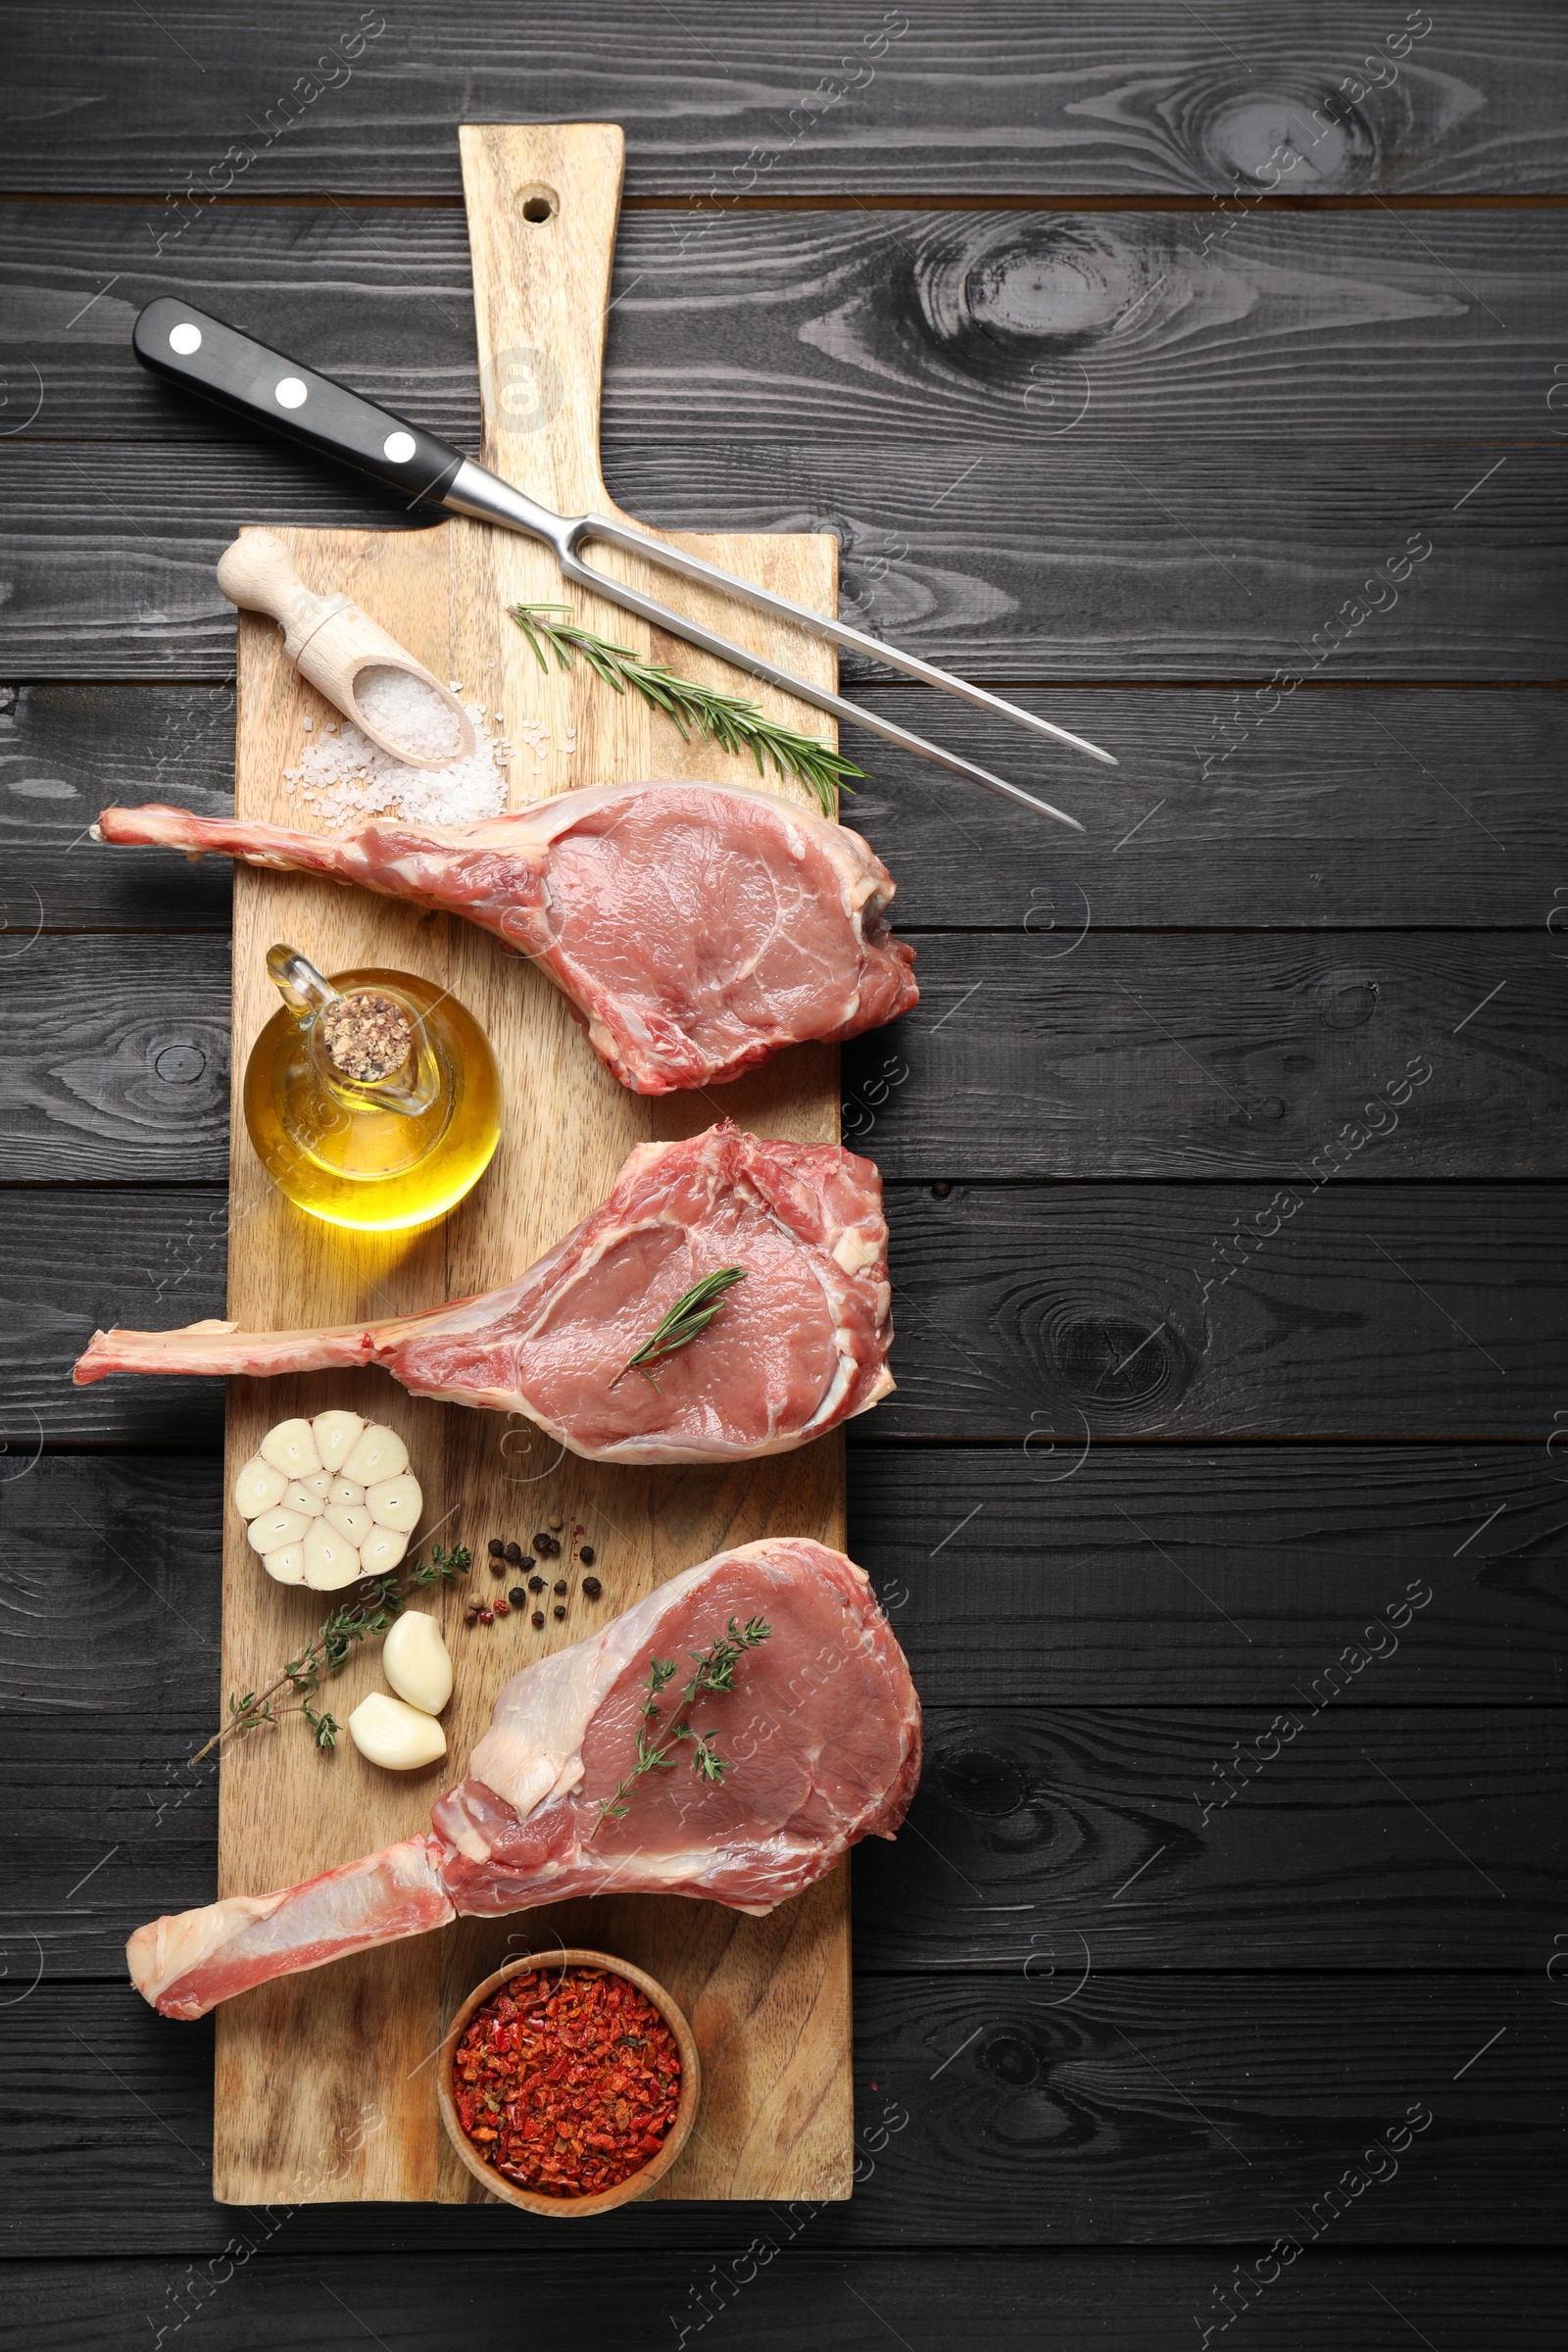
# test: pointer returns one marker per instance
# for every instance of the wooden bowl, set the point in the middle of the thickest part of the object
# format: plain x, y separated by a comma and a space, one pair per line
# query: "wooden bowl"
637, 2184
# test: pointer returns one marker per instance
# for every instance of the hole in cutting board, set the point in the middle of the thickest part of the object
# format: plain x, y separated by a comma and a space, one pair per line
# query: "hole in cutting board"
539, 204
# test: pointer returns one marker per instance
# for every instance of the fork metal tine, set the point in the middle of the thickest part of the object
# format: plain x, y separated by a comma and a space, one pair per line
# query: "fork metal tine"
474, 490
824, 625
755, 666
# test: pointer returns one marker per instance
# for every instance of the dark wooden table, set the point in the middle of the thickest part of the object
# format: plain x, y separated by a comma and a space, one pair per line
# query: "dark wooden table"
1202, 375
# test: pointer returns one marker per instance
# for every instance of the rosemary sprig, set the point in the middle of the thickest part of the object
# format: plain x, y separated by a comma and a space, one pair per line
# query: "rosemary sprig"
686, 1320
734, 725
377, 1604
716, 1672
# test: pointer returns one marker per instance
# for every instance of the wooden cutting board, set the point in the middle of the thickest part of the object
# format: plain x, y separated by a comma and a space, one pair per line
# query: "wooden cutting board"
325, 2082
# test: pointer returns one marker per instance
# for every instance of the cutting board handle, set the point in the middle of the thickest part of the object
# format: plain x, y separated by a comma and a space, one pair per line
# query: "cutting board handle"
543, 201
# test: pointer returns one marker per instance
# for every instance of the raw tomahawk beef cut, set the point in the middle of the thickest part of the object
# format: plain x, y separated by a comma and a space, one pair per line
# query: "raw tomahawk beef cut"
693, 928
820, 1736
795, 1349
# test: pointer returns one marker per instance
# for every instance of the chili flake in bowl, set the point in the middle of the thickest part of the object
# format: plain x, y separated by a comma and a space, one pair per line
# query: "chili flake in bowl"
569, 2081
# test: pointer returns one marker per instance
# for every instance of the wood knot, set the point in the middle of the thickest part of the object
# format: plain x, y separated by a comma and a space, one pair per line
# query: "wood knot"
179, 1064
1263, 1111
1114, 1364
977, 1781
1009, 2059
998, 293
1345, 1000
1288, 143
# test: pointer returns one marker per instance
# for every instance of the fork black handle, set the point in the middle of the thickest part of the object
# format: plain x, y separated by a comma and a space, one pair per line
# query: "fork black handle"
205, 355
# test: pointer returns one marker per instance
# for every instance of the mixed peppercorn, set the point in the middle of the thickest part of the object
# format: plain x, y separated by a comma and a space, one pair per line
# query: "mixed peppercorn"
567, 2081
510, 1559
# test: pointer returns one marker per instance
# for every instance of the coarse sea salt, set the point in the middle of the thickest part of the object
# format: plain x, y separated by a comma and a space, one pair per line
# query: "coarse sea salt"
405, 708
347, 778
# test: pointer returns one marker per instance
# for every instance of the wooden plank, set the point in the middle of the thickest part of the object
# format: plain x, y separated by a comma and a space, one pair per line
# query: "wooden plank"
1167, 2110
1201, 559
64, 753
1122, 1574
1288, 2093
1373, 1838
137, 1537
1082, 1312
1377, 809
778, 2111
1121, 1583
1021, 97
1396, 1838
125, 1070
1116, 1055
789, 2290
915, 330
89, 1262
1025, 1314
1062, 1052
1344, 811
67, 751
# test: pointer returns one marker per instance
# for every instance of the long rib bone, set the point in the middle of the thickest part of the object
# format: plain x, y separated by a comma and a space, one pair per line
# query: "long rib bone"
819, 1739
797, 1347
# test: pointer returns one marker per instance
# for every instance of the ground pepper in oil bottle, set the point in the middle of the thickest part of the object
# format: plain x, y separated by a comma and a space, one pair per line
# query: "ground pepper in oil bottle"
372, 1099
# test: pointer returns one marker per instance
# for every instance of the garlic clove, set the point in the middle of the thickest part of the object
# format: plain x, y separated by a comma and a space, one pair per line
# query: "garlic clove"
287, 1563
352, 1521
381, 1550
258, 1487
401, 1738
345, 1490
270, 1530
416, 1662
379, 1454
330, 1559
291, 1449
299, 1498
396, 1501
318, 1483
335, 1435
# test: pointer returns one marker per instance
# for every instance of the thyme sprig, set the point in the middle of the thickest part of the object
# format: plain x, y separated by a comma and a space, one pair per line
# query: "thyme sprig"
715, 1673
377, 1604
686, 1320
734, 725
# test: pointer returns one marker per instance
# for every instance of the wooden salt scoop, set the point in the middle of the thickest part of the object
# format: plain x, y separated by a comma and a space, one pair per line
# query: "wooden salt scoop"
330, 641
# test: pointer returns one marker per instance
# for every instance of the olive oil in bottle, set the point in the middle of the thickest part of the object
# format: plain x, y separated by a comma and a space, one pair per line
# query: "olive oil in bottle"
372, 1099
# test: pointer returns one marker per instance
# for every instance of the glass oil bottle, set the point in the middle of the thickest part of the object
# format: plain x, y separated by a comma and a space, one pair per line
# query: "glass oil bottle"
372, 1099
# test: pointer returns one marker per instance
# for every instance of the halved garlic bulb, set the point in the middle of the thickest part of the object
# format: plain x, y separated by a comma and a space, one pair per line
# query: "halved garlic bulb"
258, 1487
330, 1559
415, 1661
383, 1547
270, 1530
291, 1449
335, 1435
395, 1501
329, 1500
379, 1454
397, 1735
